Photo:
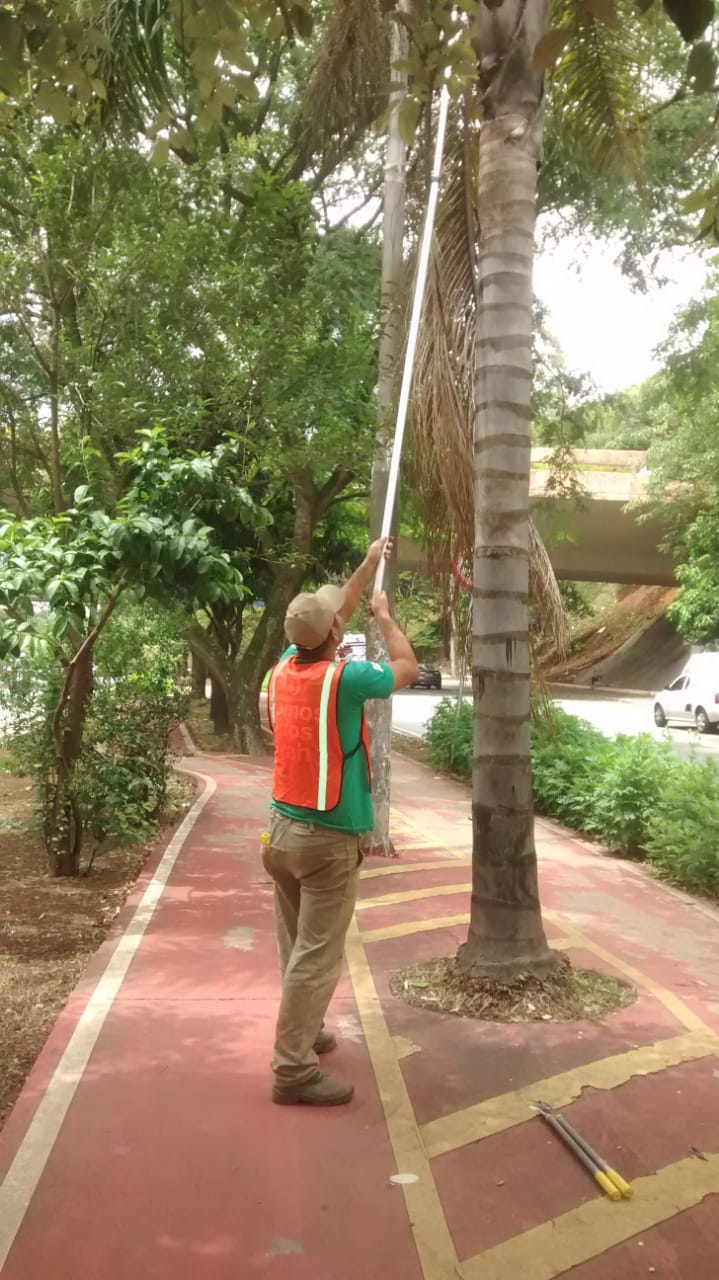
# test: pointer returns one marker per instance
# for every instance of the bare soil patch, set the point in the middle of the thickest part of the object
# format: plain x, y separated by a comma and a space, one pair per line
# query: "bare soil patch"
597, 639
49, 928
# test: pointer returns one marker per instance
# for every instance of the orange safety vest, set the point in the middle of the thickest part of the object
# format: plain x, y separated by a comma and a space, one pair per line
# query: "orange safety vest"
302, 709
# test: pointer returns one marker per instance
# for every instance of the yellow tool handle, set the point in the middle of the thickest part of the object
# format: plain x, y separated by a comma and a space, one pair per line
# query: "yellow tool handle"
607, 1185
619, 1182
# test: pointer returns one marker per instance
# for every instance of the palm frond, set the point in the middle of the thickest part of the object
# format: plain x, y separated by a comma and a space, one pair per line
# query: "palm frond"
135, 66
595, 87
443, 391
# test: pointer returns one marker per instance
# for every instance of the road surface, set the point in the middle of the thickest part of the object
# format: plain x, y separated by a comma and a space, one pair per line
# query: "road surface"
414, 707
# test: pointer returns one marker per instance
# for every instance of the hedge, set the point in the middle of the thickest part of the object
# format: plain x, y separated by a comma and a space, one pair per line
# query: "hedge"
631, 793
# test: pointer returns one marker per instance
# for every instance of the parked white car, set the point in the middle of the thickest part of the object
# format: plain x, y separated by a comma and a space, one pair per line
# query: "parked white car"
693, 698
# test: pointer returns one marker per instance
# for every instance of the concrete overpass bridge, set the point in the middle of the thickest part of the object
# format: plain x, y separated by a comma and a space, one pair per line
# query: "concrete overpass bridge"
593, 535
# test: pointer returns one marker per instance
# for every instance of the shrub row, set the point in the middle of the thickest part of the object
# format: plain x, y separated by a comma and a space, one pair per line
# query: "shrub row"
632, 793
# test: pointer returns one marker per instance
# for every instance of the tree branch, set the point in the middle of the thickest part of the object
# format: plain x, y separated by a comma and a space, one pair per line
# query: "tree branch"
87, 643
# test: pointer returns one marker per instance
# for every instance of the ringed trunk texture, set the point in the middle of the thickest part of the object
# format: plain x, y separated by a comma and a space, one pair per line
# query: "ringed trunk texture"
506, 934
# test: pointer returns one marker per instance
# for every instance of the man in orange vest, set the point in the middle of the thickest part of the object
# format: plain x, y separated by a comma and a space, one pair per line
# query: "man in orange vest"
321, 803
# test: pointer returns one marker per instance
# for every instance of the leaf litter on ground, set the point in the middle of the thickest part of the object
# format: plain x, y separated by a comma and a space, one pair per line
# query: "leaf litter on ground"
564, 994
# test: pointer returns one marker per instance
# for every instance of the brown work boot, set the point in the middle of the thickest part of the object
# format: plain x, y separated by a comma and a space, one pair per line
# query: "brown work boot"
320, 1091
325, 1042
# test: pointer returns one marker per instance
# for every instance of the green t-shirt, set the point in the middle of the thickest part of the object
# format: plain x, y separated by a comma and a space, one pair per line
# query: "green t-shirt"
354, 813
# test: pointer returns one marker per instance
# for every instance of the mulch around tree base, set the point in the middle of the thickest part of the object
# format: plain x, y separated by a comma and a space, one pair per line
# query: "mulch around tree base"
563, 995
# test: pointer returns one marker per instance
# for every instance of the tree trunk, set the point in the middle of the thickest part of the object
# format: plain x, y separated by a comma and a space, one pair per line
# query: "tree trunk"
379, 712
268, 640
219, 708
63, 831
248, 736
263, 650
199, 677
506, 934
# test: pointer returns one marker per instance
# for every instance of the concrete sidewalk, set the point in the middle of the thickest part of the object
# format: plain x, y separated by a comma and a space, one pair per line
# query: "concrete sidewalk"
145, 1145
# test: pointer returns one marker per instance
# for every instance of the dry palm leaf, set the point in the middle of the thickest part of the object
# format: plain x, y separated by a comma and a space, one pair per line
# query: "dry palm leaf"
442, 411
348, 88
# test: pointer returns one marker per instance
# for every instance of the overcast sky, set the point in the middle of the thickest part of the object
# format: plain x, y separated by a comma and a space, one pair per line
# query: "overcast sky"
605, 328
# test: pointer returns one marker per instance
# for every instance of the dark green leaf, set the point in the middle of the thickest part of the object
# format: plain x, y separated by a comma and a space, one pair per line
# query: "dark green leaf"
550, 46
276, 27
690, 17
247, 88
604, 11
301, 21
53, 102
696, 201
702, 67
160, 152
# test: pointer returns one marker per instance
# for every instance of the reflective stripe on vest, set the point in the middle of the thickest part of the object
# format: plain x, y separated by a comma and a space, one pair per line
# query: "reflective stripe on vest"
324, 753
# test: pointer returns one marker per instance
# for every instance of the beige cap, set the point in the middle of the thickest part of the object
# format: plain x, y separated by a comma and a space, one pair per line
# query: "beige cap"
309, 616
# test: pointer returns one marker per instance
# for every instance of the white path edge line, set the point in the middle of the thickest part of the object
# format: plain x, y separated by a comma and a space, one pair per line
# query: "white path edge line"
23, 1176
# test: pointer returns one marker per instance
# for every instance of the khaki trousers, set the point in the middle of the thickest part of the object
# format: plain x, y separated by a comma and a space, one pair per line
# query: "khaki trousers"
315, 870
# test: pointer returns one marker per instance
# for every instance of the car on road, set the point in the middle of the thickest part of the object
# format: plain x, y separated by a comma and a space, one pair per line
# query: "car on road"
693, 698
428, 678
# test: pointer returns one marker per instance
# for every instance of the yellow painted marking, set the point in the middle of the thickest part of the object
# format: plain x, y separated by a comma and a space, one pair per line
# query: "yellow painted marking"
404, 868
412, 895
552, 1249
436, 1250
404, 1048
508, 1109
421, 829
673, 1003
557, 1246
413, 926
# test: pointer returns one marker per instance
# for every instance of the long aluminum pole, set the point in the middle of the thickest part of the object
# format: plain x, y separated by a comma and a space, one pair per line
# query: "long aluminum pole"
414, 329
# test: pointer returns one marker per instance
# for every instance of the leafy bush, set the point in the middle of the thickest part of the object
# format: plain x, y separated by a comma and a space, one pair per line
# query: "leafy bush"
567, 753
449, 738
633, 794
126, 760
574, 600
682, 830
628, 790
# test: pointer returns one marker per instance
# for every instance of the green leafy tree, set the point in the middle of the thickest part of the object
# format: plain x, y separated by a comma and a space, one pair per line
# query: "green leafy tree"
206, 323
61, 578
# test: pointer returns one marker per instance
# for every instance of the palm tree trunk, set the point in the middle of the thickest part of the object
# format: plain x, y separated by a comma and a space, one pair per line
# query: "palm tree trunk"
506, 934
